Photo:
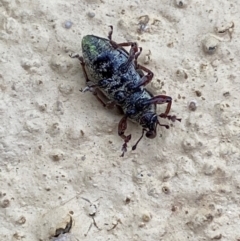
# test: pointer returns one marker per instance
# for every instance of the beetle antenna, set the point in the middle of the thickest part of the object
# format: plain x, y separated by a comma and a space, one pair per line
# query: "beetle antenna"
166, 126
135, 146
173, 118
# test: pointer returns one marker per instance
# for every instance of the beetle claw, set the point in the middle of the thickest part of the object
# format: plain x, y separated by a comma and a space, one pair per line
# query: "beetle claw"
87, 88
124, 149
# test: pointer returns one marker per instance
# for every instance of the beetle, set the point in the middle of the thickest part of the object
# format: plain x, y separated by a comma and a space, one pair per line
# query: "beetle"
116, 78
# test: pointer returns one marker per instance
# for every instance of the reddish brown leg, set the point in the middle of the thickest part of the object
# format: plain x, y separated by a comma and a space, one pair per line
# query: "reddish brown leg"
116, 45
122, 126
173, 118
110, 33
162, 99
124, 44
132, 55
146, 79
136, 57
82, 64
135, 146
100, 96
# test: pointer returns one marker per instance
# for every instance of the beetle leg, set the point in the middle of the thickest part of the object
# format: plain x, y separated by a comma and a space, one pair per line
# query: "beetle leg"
103, 99
96, 94
162, 99
135, 146
122, 126
146, 79
110, 104
110, 33
90, 88
133, 54
116, 45
137, 55
100, 96
80, 58
173, 118
125, 44
168, 100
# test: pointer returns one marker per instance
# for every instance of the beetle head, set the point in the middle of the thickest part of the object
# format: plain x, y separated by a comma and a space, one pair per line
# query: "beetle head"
149, 122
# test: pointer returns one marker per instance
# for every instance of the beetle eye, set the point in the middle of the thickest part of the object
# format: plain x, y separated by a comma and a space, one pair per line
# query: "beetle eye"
151, 134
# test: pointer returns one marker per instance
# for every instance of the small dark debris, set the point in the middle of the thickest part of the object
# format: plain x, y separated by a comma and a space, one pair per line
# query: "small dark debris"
5, 203
83, 158
127, 200
166, 190
192, 105
21, 220
226, 94
56, 157
179, 4
174, 208
217, 237
198, 93
209, 217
